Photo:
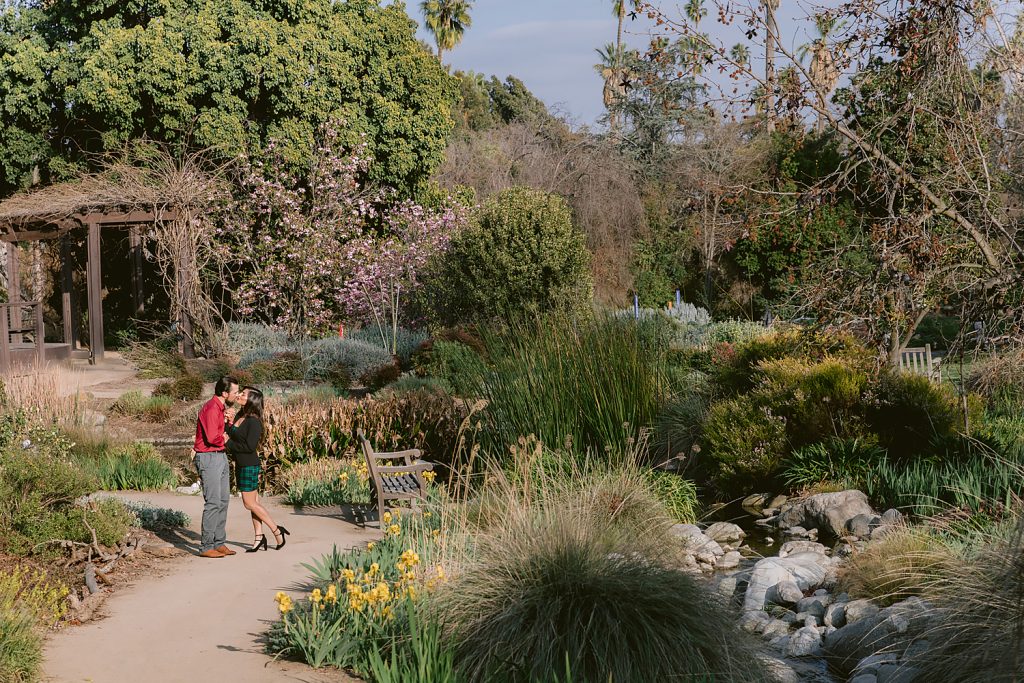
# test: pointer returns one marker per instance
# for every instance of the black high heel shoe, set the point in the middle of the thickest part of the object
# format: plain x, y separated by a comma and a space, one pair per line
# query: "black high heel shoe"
282, 532
260, 544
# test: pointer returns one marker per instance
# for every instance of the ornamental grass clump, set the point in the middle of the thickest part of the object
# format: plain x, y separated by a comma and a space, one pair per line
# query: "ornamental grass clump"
576, 576
977, 619
328, 481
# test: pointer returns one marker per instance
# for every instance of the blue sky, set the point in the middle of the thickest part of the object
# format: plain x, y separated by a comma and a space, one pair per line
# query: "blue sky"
550, 45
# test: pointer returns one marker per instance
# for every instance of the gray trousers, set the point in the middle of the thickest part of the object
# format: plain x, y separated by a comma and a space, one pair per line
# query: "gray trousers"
215, 476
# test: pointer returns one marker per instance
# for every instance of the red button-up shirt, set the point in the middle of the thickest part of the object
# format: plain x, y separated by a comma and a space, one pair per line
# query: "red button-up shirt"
210, 427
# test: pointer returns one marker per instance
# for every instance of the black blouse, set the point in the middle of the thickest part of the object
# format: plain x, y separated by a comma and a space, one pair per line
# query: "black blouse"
243, 441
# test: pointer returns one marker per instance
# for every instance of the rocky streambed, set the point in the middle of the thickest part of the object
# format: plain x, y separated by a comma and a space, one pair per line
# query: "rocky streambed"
779, 566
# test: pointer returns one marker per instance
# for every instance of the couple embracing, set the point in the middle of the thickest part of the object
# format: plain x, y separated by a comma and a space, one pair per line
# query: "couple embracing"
231, 423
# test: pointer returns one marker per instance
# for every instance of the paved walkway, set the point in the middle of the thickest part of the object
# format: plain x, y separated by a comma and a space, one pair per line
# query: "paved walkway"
202, 619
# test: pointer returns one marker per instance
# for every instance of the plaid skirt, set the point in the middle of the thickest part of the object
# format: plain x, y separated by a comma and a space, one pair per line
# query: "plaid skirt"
248, 477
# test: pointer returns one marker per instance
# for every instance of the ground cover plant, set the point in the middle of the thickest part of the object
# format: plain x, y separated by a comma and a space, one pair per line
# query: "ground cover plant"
30, 602
148, 408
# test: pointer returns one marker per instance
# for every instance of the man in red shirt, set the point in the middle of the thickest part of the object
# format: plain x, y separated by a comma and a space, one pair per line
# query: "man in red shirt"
212, 464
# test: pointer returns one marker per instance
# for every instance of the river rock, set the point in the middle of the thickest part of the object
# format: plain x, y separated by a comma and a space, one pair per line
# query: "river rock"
790, 547
860, 609
864, 678
726, 534
896, 673
814, 605
800, 532
804, 642
755, 502
891, 517
730, 560
835, 615
780, 670
862, 525
784, 593
755, 621
696, 541
828, 512
806, 570
775, 628
889, 630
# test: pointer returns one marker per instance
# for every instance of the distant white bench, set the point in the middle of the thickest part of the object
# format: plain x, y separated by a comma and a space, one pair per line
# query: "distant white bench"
920, 361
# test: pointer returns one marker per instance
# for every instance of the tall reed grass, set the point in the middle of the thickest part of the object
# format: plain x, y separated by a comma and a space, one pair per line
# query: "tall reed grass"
577, 385
47, 393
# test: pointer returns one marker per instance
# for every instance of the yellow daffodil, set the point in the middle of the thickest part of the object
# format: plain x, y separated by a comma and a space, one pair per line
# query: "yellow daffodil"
332, 594
343, 477
435, 533
427, 515
348, 575
386, 518
429, 476
394, 530
316, 595
374, 568
369, 546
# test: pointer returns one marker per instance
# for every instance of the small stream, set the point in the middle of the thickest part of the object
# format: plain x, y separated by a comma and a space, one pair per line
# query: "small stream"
765, 541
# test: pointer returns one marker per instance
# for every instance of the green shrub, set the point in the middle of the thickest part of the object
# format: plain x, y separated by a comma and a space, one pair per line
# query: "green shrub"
677, 494
746, 441
411, 384
358, 357
422, 655
247, 337
281, 366
151, 409
406, 341
908, 412
819, 399
379, 378
155, 359
737, 370
454, 364
187, 387
339, 377
156, 518
109, 518
520, 253
137, 467
847, 462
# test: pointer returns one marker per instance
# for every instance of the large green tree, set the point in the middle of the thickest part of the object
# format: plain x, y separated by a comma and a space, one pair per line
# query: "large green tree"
78, 78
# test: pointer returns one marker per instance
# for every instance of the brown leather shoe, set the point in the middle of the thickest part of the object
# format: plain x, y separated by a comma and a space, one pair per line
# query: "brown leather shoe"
224, 550
212, 552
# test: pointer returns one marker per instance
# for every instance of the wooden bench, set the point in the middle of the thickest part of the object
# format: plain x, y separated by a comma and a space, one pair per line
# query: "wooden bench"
395, 482
920, 361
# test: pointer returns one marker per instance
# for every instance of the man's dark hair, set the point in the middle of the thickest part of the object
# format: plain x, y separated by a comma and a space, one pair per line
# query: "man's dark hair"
224, 384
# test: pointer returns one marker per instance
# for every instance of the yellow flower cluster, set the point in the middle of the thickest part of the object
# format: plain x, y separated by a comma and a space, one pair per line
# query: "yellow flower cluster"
371, 593
284, 602
429, 476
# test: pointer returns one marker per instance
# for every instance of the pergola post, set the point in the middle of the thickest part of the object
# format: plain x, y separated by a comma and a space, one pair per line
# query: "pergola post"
95, 287
69, 312
135, 244
13, 286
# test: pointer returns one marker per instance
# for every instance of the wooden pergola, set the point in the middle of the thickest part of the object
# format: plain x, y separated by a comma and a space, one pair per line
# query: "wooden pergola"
52, 213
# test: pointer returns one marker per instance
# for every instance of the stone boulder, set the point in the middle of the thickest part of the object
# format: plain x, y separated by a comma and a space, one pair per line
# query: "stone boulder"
806, 570
790, 547
827, 512
726, 534
889, 630
804, 642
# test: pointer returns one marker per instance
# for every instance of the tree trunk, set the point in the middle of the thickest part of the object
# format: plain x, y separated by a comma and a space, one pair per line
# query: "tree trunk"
771, 31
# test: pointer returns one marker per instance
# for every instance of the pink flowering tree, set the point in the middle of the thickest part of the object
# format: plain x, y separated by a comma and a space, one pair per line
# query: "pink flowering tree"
315, 247
385, 269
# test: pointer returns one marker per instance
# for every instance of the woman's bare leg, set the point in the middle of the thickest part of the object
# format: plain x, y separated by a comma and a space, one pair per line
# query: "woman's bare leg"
259, 513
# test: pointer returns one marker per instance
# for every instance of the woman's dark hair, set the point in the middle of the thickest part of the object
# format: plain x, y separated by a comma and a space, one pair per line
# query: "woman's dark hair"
253, 404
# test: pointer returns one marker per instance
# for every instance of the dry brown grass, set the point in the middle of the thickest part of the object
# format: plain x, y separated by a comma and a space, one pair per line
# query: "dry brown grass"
906, 562
48, 393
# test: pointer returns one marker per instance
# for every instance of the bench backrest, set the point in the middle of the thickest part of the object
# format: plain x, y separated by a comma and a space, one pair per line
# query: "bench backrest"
918, 360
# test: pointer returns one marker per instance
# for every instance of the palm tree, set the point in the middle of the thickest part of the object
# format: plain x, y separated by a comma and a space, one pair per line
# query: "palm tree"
612, 70
822, 71
448, 21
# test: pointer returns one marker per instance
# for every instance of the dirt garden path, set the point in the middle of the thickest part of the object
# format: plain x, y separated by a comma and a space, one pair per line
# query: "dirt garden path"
202, 619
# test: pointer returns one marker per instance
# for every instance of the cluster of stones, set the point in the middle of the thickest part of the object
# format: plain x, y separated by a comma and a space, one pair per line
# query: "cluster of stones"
790, 600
